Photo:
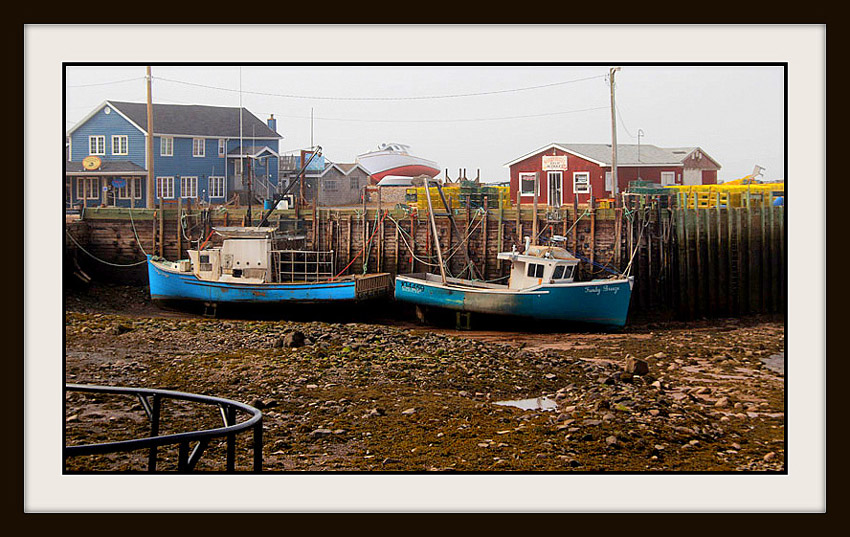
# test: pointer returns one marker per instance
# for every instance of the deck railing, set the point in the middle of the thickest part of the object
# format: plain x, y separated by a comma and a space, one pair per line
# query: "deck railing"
151, 400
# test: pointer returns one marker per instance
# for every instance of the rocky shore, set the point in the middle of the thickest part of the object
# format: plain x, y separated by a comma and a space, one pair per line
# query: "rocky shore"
697, 397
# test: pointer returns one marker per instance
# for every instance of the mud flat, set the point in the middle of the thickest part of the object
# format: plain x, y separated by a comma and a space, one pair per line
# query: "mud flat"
379, 397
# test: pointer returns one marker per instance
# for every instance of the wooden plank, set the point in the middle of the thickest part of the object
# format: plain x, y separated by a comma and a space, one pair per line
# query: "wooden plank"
484, 239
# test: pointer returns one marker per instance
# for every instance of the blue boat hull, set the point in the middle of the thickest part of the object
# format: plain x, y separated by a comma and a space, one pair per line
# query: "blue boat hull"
600, 302
171, 285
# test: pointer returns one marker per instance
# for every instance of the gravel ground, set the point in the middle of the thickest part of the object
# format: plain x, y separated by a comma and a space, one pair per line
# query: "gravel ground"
394, 396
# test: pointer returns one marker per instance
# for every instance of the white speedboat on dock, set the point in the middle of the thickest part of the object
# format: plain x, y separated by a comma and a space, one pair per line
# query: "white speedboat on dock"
395, 159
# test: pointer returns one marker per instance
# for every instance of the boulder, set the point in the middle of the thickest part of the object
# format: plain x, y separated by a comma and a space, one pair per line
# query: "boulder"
636, 366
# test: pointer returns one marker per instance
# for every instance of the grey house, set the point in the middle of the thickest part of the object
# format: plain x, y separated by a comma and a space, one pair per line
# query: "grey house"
338, 185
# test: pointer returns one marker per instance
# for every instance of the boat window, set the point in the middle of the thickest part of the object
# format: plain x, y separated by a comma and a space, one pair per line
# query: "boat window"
569, 272
539, 271
205, 259
559, 272
530, 272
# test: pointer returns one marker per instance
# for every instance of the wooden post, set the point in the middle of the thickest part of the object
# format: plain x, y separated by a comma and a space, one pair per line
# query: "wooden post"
153, 233
710, 265
395, 258
681, 254
179, 227
592, 236
499, 240
752, 258
765, 260
698, 275
688, 271
413, 242
534, 211
484, 240
618, 223
348, 244
730, 260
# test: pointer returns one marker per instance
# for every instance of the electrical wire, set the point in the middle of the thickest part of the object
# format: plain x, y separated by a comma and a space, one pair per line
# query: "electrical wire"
413, 98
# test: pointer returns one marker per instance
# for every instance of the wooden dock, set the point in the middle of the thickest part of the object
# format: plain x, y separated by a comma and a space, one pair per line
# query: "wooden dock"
687, 262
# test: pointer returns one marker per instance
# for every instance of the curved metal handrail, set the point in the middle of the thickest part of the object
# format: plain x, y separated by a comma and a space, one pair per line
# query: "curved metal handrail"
186, 461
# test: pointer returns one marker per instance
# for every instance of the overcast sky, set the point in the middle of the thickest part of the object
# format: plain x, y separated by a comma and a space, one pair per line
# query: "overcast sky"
734, 113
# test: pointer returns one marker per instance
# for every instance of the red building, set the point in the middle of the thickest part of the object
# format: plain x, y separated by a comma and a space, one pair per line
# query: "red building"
565, 171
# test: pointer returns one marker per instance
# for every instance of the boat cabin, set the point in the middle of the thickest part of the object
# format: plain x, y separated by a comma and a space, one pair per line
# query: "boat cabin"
247, 255
540, 265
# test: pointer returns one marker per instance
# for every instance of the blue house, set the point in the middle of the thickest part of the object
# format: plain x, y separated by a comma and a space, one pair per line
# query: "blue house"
199, 155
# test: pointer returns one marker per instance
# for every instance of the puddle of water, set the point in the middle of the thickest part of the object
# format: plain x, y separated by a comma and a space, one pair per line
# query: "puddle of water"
775, 362
535, 403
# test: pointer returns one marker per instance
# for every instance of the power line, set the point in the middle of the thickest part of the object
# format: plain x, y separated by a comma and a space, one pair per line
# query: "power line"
105, 83
423, 97
623, 123
455, 120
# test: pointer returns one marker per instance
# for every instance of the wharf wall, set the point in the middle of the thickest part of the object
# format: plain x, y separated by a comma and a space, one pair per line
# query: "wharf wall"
687, 262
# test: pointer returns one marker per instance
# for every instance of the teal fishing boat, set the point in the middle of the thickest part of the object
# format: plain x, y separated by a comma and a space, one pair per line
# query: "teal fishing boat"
541, 285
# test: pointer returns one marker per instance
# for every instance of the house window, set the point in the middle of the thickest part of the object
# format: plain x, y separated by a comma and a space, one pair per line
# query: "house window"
97, 145
216, 187
668, 178
188, 187
166, 146
609, 182
197, 147
88, 188
221, 147
526, 184
331, 186
119, 145
581, 182
165, 187
353, 183
132, 186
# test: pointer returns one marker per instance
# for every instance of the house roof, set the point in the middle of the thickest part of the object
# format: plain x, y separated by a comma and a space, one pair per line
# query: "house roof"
344, 169
627, 154
251, 151
107, 167
191, 120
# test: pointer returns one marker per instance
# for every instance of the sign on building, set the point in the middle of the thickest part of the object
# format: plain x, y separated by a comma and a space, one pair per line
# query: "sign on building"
554, 163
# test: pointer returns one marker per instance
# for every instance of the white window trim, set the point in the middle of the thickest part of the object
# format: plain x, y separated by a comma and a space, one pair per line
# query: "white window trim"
202, 145
222, 147
163, 181
609, 182
123, 193
101, 138
668, 174
119, 138
223, 186
527, 193
162, 148
548, 183
576, 175
83, 184
188, 179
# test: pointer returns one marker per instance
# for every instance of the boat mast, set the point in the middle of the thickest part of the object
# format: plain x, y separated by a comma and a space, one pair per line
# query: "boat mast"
434, 229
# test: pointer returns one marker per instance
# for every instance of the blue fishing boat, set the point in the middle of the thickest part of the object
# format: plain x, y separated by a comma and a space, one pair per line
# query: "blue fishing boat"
541, 285
246, 268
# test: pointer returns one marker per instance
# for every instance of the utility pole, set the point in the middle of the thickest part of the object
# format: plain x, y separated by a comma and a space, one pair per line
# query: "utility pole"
151, 184
615, 185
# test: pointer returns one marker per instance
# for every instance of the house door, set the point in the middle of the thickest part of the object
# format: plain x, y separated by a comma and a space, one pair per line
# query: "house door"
556, 180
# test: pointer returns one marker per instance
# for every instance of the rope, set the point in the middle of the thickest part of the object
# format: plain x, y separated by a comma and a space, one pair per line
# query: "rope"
136, 233
361, 250
101, 260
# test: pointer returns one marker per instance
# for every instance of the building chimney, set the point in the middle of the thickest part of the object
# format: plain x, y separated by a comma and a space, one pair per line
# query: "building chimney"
272, 122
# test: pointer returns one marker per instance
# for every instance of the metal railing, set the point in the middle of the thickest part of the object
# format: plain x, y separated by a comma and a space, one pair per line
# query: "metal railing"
151, 401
